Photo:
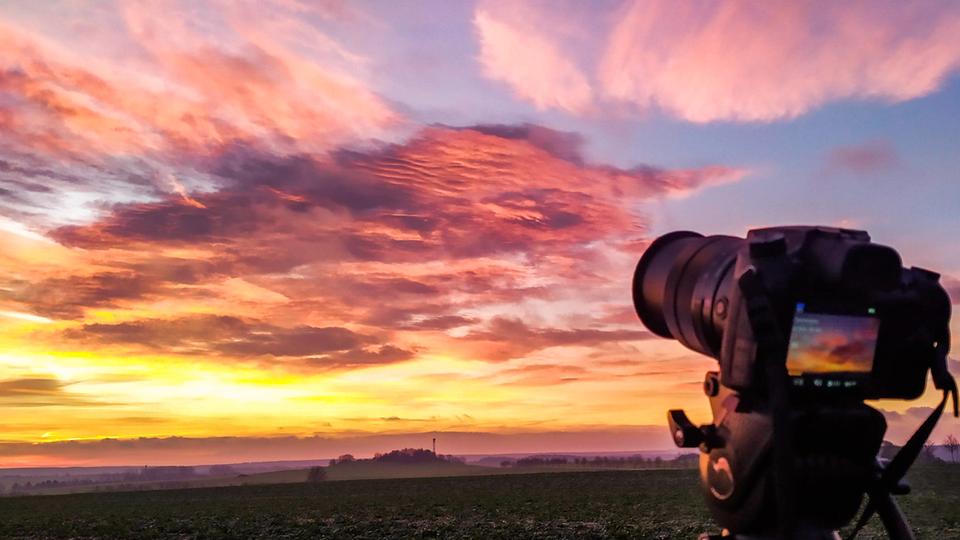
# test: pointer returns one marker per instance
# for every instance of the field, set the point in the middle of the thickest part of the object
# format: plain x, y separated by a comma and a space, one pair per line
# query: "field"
593, 504
362, 471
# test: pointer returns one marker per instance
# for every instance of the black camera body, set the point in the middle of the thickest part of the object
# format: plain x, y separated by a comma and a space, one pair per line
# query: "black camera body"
806, 323
881, 325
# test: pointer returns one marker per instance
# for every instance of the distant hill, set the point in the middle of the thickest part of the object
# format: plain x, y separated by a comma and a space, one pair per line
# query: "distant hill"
496, 460
404, 463
368, 470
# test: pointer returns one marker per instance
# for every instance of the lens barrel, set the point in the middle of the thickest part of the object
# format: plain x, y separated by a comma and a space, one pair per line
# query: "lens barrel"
681, 287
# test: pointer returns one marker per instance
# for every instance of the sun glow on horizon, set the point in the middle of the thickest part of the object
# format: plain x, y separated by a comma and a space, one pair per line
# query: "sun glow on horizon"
222, 223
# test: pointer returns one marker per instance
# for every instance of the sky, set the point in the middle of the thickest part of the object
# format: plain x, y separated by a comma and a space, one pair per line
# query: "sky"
275, 229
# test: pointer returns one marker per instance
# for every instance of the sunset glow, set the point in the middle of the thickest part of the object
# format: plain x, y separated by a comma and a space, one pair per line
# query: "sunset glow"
282, 221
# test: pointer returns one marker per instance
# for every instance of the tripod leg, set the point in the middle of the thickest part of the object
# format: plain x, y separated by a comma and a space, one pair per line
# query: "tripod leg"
892, 517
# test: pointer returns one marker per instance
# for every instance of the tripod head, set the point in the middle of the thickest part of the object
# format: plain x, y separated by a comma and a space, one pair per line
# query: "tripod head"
832, 463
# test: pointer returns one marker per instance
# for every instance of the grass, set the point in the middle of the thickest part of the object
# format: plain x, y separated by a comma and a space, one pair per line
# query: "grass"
590, 504
366, 470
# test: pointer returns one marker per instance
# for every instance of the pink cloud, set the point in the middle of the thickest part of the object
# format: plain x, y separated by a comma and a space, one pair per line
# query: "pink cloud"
179, 89
724, 61
167, 85
757, 62
530, 63
450, 225
952, 285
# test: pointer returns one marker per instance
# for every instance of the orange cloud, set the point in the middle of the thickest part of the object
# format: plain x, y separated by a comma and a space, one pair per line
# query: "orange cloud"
394, 253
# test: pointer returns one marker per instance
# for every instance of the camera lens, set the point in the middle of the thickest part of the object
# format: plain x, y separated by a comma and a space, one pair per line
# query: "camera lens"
680, 287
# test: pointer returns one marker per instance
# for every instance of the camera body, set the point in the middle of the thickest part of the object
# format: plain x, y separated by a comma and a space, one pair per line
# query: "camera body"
861, 325
856, 323
805, 323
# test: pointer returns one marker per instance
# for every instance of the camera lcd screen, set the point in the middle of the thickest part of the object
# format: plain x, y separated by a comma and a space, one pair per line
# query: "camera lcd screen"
829, 343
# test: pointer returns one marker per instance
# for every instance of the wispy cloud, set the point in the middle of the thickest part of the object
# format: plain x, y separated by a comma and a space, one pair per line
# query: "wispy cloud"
514, 50
81, 128
867, 158
730, 61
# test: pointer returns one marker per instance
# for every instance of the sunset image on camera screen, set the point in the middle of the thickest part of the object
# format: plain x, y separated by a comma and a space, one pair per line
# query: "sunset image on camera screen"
821, 343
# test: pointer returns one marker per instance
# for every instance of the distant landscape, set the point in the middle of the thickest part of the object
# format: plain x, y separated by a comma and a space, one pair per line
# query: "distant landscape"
410, 492
657, 503
405, 463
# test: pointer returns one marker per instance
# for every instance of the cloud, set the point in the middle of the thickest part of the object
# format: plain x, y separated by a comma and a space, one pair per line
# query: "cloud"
501, 190
902, 425
953, 364
67, 297
123, 116
357, 357
299, 341
530, 63
542, 375
300, 347
505, 338
443, 322
223, 82
564, 145
867, 158
952, 285
29, 387
233, 337
748, 62
43, 391
165, 334
424, 237
730, 61
460, 249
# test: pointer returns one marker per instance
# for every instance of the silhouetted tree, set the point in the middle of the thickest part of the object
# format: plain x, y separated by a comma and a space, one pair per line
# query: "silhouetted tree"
316, 475
410, 455
402, 456
346, 458
166, 473
952, 445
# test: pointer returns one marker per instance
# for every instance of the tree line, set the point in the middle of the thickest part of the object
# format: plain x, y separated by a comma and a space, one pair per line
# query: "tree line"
635, 461
402, 456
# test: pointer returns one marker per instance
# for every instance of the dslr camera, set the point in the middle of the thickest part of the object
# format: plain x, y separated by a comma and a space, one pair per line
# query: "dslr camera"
806, 323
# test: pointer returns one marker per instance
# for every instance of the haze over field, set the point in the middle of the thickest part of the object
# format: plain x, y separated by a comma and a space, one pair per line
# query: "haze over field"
256, 230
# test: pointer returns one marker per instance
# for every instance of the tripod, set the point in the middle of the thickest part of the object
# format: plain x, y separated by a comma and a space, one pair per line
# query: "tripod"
774, 424
893, 519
